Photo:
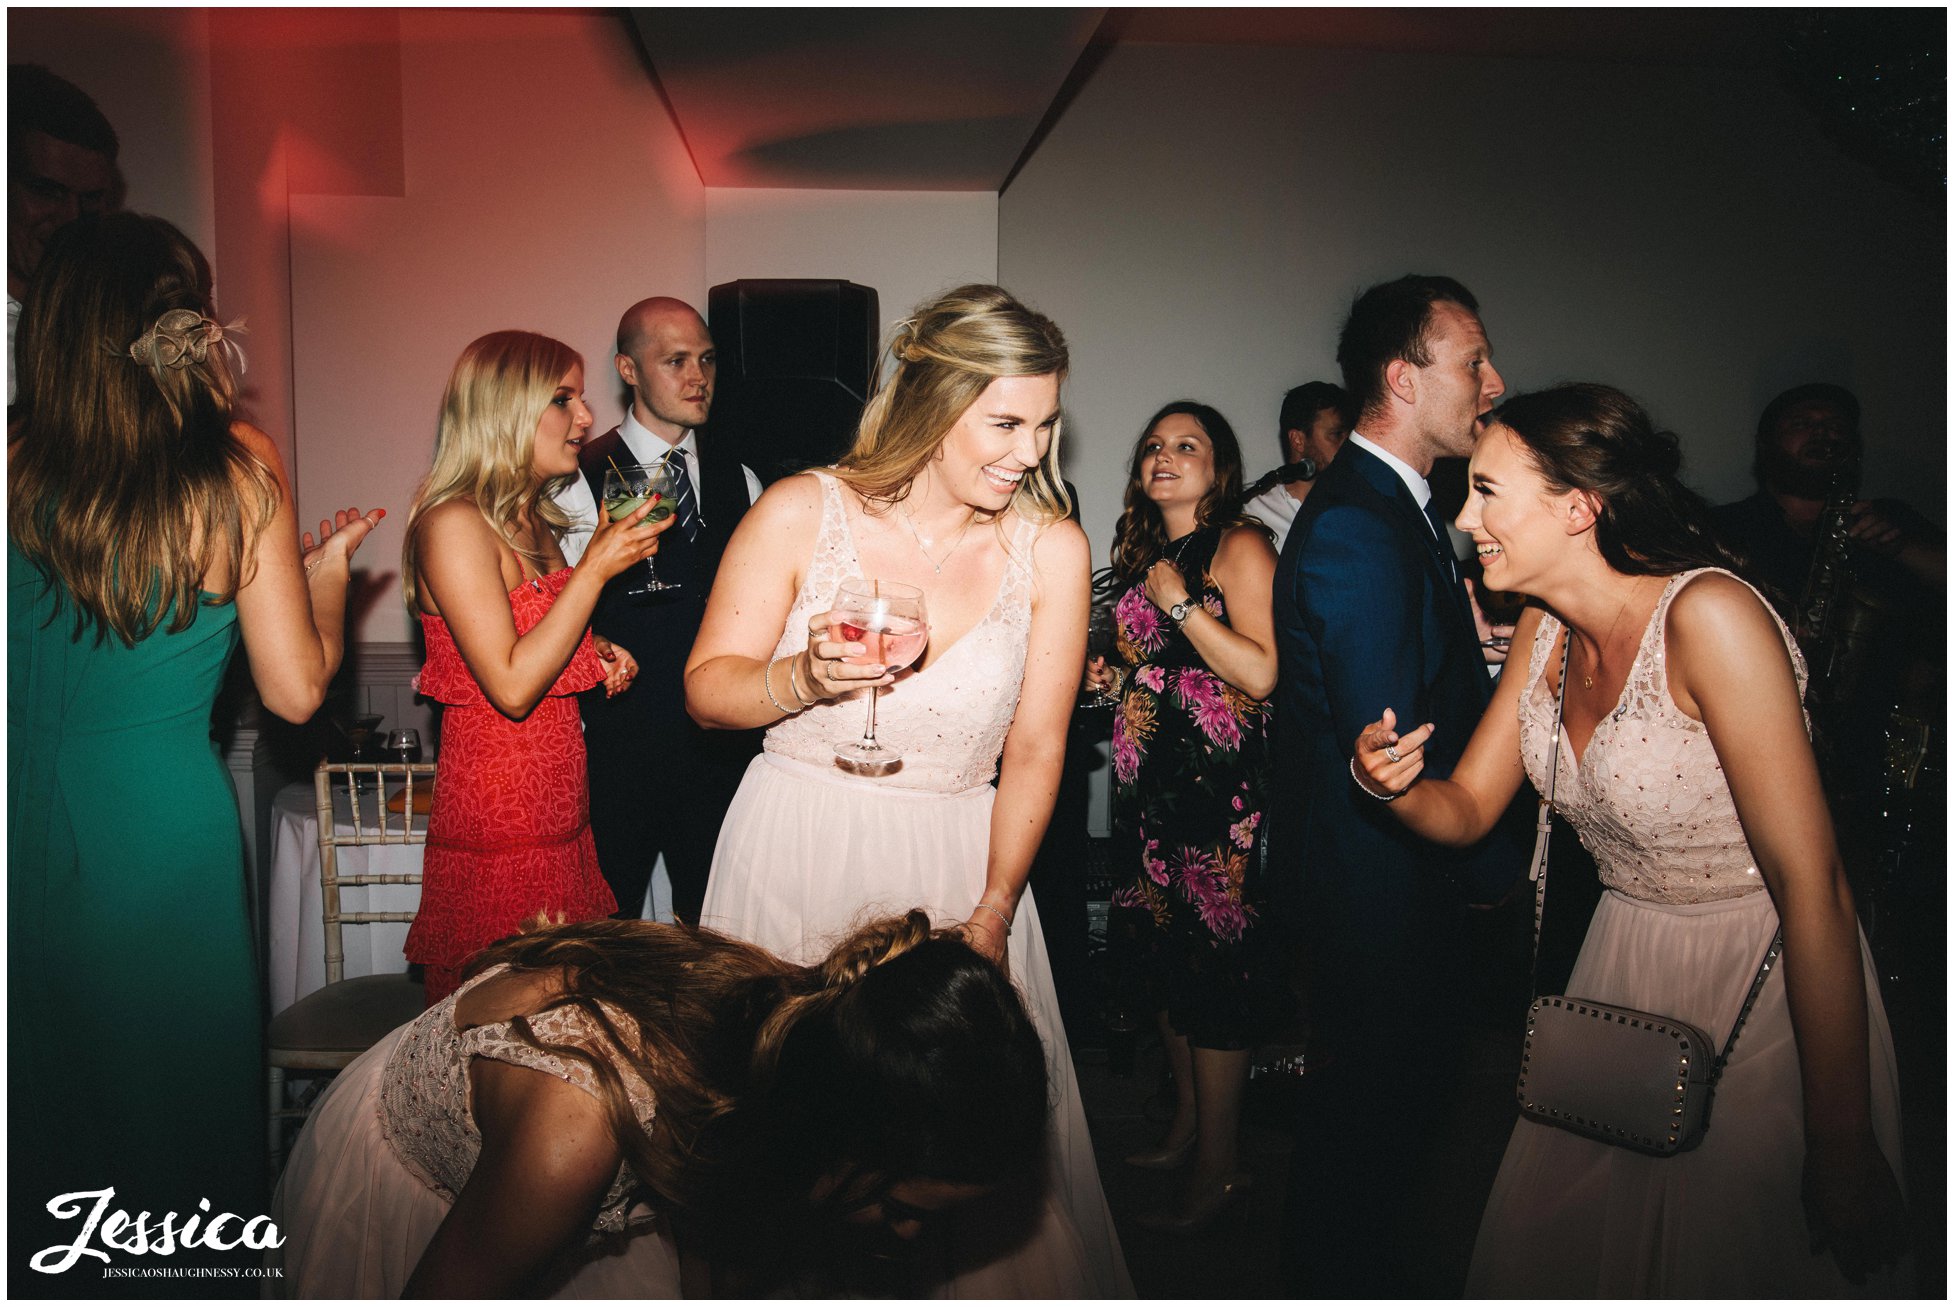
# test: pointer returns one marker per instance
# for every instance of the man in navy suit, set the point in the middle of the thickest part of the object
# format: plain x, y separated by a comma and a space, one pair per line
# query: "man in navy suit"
660, 784
1371, 612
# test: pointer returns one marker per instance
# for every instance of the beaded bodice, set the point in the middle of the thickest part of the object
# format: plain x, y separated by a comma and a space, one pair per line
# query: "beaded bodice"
1648, 797
949, 719
425, 1100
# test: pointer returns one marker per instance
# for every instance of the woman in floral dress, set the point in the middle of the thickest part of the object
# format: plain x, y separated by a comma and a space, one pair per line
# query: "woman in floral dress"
1190, 766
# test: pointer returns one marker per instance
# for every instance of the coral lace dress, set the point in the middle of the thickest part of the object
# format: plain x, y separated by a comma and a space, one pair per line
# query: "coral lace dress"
509, 835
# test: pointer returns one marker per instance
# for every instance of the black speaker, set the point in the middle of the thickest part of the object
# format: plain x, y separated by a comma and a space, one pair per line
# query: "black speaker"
795, 362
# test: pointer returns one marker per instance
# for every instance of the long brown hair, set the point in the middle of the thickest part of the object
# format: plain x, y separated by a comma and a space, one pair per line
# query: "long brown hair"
944, 355
127, 482
1142, 532
902, 1054
1587, 436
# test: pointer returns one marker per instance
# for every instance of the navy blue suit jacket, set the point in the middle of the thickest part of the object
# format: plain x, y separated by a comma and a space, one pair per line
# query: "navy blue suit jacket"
1368, 615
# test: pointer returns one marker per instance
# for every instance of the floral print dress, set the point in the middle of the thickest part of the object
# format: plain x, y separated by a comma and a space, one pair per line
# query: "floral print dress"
1190, 774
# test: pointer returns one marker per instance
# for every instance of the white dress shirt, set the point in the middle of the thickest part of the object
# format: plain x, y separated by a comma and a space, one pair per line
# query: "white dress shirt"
1421, 489
646, 446
1276, 509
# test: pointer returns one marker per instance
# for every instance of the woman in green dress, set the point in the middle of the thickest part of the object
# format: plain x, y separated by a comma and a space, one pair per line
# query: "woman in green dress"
148, 530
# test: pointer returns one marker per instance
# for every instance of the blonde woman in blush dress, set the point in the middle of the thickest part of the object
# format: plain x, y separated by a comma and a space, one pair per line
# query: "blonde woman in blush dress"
952, 487
1686, 769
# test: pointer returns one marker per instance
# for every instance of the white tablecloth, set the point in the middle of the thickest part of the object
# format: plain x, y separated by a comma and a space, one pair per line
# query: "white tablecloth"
295, 953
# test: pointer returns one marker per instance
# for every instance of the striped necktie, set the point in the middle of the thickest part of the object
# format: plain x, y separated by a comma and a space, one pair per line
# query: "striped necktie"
687, 503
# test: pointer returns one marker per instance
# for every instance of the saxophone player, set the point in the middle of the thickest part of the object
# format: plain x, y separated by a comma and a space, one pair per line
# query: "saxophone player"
1808, 442
1863, 583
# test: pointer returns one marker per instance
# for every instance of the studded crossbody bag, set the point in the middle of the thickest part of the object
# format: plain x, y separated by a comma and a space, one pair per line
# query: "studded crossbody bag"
1633, 1079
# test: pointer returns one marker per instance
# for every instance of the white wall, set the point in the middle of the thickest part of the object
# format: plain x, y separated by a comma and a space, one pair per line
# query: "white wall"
908, 245
546, 188
1201, 216
149, 72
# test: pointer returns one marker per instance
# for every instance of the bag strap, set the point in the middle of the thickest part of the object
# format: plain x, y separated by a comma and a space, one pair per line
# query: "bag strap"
1543, 825
1543, 828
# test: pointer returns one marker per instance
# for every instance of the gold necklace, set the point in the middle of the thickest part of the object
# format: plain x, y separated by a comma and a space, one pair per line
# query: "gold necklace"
1587, 677
924, 542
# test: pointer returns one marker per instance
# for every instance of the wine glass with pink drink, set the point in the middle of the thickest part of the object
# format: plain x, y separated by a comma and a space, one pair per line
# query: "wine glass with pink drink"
887, 619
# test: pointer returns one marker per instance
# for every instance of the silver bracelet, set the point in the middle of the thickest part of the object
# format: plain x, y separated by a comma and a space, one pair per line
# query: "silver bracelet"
1000, 916
766, 678
794, 684
1381, 798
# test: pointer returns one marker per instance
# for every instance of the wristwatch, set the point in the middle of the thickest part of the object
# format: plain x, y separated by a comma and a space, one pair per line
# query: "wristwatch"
1180, 611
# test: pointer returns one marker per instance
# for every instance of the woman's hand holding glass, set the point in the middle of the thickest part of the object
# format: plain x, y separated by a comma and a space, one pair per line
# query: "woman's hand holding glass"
826, 672
615, 546
1103, 680
1387, 763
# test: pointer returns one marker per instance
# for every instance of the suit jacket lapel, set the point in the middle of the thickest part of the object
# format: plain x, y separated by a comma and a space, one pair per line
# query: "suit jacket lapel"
1385, 480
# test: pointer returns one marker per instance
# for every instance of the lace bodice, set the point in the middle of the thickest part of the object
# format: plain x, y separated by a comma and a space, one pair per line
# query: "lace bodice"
1648, 798
947, 720
425, 1109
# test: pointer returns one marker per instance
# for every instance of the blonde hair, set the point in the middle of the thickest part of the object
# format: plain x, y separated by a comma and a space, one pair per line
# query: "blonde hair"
485, 447
943, 356
125, 453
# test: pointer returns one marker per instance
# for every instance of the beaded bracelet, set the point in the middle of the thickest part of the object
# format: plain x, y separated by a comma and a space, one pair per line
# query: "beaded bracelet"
1381, 798
766, 678
1000, 916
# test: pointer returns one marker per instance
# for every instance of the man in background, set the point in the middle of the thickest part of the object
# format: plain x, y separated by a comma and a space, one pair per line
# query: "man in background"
1876, 659
659, 784
61, 156
1312, 427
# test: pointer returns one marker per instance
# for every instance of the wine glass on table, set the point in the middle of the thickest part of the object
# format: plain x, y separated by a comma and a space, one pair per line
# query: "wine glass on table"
403, 746
887, 619
626, 486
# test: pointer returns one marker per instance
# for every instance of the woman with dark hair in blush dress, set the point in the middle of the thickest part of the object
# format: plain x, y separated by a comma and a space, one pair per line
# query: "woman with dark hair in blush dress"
1686, 768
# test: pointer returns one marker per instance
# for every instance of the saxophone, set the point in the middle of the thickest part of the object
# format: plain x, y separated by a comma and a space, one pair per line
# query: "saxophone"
1837, 619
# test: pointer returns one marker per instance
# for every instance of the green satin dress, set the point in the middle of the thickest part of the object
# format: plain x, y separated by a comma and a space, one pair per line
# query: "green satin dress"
134, 1021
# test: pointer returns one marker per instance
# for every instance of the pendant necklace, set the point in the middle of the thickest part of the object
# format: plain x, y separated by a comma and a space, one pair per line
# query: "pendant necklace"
924, 542
1587, 677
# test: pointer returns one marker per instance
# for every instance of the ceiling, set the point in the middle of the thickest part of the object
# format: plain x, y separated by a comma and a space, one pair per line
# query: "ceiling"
954, 99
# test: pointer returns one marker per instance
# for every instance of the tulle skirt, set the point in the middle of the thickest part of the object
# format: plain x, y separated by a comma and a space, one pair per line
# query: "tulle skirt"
356, 1220
1570, 1217
807, 852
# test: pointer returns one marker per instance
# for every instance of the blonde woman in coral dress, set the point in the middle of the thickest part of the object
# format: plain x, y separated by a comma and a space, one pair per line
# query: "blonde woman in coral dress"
951, 487
508, 646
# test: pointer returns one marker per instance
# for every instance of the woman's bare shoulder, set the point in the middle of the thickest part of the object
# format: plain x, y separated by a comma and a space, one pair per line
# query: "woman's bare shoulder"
1246, 541
1061, 545
789, 502
1717, 609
